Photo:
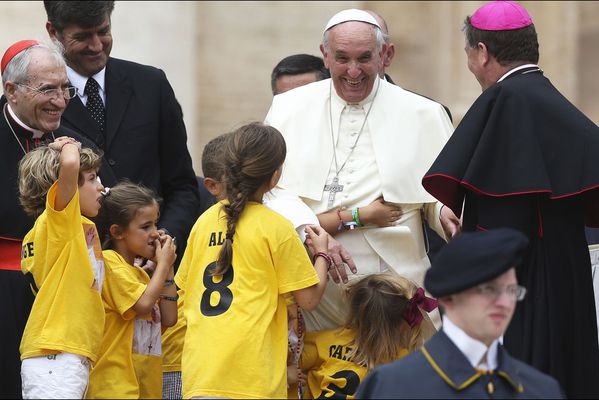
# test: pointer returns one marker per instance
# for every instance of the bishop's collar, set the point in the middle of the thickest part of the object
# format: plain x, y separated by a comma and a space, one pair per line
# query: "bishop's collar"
521, 69
22, 128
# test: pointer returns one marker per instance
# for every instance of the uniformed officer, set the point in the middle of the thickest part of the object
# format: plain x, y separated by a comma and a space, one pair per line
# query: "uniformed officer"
475, 281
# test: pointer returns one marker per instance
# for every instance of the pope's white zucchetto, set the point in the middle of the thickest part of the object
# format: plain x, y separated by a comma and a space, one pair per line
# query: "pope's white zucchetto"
352, 14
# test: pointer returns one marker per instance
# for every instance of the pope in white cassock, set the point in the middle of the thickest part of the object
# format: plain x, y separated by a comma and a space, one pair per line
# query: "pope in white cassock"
355, 138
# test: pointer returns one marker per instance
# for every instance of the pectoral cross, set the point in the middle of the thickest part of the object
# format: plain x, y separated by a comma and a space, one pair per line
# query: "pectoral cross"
333, 188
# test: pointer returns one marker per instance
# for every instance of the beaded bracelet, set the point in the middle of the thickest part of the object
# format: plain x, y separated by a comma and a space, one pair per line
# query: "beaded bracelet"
168, 282
326, 257
170, 298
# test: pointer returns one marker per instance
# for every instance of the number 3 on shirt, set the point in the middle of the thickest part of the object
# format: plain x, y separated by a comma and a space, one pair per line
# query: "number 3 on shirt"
221, 287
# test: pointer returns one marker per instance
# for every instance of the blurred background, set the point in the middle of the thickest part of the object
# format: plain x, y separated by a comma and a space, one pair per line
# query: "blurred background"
218, 56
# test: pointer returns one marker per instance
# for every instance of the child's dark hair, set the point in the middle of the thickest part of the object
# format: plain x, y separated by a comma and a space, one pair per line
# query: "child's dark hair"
252, 154
212, 160
377, 305
119, 207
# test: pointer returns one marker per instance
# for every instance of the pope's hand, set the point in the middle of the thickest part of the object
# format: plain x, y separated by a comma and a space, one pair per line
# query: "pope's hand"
340, 257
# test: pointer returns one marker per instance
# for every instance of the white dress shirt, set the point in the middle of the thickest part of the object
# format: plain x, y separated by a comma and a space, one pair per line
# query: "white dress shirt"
79, 81
474, 350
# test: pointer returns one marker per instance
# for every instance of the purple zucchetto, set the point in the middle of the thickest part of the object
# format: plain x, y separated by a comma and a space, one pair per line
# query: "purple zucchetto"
501, 16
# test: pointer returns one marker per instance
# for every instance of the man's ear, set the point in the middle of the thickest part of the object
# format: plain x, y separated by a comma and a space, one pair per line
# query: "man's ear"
52, 32
389, 54
9, 91
445, 302
116, 232
483, 53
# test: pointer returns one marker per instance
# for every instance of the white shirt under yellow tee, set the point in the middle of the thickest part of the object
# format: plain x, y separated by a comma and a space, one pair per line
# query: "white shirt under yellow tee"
236, 340
330, 369
63, 260
130, 363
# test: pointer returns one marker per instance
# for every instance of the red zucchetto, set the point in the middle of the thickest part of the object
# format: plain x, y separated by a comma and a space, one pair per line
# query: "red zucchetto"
15, 49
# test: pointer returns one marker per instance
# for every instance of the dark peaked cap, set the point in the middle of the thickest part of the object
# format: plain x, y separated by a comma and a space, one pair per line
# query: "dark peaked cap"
473, 258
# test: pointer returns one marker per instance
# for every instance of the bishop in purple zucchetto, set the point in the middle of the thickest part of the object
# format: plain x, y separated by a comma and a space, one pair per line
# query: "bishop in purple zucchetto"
501, 16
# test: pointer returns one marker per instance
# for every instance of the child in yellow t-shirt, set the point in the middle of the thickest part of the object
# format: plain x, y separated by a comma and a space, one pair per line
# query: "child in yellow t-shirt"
130, 363
62, 259
172, 339
241, 258
387, 320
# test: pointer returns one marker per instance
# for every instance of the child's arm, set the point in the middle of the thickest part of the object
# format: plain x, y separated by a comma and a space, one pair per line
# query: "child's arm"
377, 213
68, 175
308, 298
159, 286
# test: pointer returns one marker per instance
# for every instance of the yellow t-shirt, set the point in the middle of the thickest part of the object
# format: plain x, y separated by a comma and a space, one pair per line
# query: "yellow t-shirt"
172, 339
63, 261
330, 371
130, 363
236, 340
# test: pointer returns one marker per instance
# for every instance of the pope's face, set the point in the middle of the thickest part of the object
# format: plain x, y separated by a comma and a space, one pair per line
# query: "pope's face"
353, 60
481, 315
86, 49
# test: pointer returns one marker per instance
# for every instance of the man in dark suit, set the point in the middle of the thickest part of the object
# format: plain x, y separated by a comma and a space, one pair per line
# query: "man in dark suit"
474, 279
129, 110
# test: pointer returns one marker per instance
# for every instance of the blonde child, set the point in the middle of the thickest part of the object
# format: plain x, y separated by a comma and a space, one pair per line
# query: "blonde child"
387, 320
130, 362
241, 258
62, 259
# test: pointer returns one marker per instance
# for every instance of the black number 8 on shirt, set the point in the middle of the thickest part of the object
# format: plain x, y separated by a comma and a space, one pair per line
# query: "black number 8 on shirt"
216, 284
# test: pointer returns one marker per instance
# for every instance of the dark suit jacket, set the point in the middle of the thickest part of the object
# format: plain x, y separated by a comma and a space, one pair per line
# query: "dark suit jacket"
145, 141
440, 371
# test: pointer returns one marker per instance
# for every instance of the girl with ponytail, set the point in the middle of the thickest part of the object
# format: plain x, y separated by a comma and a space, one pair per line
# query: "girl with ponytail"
241, 259
388, 319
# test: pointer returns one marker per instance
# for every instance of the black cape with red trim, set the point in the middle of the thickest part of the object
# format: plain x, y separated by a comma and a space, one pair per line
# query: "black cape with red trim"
520, 136
524, 157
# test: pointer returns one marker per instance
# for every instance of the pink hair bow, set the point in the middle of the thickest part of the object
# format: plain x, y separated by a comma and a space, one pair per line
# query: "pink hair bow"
412, 313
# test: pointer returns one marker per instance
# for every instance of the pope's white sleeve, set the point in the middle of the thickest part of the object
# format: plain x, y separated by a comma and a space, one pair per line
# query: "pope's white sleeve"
291, 207
432, 213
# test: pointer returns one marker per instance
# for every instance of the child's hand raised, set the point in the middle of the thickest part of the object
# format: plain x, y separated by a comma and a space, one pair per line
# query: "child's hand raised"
317, 239
165, 251
59, 143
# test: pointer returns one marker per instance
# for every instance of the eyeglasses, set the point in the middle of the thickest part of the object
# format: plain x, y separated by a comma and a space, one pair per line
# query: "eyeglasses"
493, 292
68, 93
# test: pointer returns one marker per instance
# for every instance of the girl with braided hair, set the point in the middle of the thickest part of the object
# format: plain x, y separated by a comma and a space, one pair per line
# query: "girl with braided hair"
241, 259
